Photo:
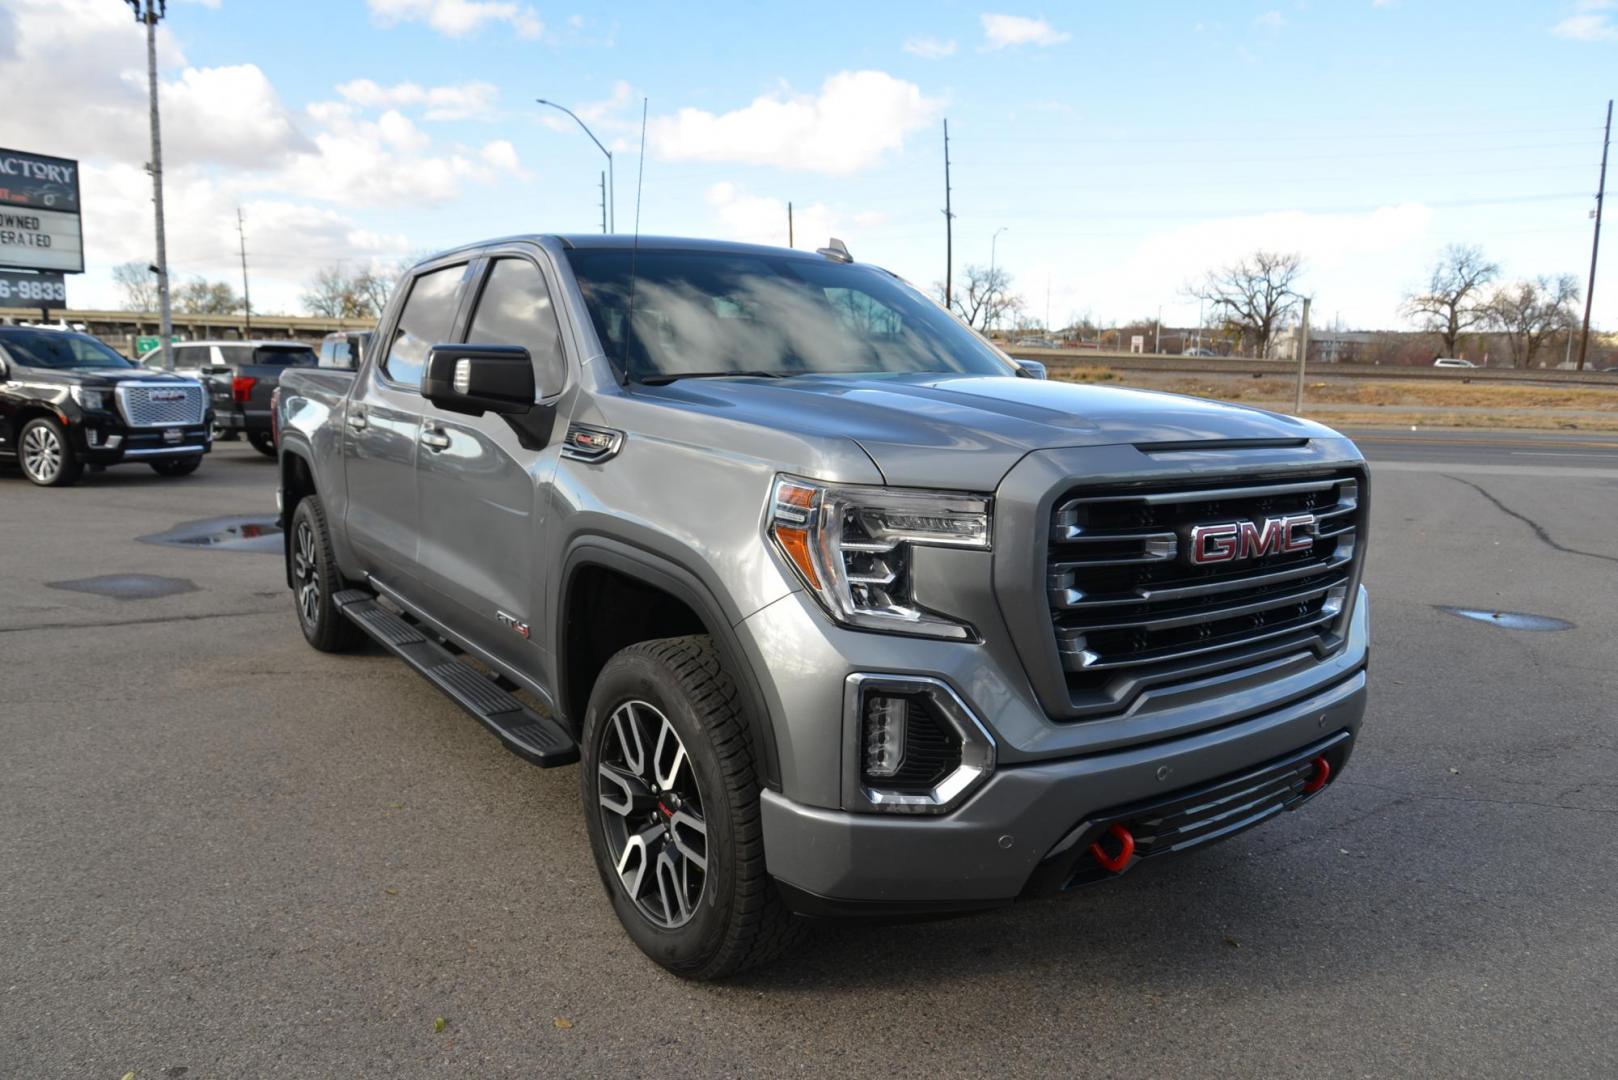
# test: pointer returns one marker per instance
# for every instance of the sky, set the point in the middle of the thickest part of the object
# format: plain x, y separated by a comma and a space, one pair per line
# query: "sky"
1123, 148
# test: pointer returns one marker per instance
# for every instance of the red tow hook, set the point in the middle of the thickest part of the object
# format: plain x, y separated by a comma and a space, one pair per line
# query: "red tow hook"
1318, 778
1126, 850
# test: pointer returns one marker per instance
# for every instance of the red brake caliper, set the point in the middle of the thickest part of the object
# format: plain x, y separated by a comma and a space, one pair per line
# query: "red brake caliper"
1126, 850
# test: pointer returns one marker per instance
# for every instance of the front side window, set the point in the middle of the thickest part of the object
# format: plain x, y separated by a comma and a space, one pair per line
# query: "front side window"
515, 309
714, 312
427, 319
55, 349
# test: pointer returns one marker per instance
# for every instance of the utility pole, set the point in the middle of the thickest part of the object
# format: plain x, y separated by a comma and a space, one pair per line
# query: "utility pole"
610, 199
1595, 244
603, 203
247, 297
149, 12
790, 241
1157, 335
949, 230
990, 291
1303, 355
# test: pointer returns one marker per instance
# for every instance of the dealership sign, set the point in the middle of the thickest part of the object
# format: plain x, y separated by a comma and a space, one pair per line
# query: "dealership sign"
39, 213
42, 290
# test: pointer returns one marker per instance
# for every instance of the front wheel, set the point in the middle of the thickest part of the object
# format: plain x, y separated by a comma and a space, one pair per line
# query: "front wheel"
46, 456
176, 466
315, 581
671, 803
263, 442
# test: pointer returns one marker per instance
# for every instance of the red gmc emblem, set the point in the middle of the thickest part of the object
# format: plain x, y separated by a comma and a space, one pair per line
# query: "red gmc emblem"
1233, 541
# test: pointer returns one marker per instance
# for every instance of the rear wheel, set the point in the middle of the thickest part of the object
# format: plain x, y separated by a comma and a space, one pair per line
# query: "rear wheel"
315, 581
176, 466
263, 442
46, 457
671, 802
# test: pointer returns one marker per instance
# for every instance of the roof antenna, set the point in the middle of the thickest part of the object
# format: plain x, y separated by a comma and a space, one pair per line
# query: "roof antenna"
640, 177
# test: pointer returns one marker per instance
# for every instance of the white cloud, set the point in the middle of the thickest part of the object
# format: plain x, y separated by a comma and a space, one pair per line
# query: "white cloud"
462, 101
1592, 21
1270, 20
501, 155
759, 219
230, 115
1003, 31
857, 117
458, 18
929, 48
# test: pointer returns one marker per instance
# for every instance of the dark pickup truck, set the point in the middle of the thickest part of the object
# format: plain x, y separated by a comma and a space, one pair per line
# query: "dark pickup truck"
241, 376
67, 400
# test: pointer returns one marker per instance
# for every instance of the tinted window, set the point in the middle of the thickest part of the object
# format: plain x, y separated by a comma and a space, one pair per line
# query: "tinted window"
268, 355
515, 309
723, 311
54, 349
187, 356
428, 317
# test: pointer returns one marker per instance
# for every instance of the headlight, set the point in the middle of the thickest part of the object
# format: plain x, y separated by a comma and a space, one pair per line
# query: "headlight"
852, 546
92, 400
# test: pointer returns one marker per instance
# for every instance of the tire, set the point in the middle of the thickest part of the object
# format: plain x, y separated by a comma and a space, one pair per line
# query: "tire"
315, 581
263, 442
693, 817
176, 466
45, 454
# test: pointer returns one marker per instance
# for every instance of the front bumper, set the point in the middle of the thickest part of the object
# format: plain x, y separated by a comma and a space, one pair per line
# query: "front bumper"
114, 444
1005, 841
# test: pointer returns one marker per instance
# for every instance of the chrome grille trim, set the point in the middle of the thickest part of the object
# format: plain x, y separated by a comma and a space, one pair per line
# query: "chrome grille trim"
136, 406
1128, 611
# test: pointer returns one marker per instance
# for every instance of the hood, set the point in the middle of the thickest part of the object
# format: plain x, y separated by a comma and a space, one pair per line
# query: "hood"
966, 431
97, 376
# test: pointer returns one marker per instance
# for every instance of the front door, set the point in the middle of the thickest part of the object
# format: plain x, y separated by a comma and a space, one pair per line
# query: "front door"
383, 425
482, 494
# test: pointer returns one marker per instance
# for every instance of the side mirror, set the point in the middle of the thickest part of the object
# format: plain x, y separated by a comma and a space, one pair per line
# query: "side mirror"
475, 379
1032, 369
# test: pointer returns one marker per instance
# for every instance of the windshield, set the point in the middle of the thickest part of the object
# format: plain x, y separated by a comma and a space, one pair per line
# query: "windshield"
268, 355
55, 349
704, 313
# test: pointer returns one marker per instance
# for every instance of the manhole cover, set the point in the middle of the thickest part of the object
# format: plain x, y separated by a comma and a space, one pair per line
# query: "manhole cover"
255, 534
127, 586
1510, 620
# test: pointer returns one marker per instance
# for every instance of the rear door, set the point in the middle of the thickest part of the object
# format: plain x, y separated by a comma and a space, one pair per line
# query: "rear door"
482, 494
382, 425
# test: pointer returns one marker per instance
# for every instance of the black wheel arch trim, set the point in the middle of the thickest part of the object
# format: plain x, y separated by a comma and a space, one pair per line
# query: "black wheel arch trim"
684, 585
289, 449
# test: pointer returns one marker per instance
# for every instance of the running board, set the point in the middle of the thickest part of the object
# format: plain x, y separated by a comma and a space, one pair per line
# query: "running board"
530, 736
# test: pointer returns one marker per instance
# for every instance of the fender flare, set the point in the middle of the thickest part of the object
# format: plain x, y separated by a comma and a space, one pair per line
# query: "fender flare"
685, 586
284, 512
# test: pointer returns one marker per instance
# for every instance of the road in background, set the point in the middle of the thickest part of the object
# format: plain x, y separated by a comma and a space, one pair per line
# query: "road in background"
1469, 447
228, 854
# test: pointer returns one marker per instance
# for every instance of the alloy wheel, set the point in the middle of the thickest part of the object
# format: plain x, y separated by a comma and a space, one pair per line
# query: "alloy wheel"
652, 814
42, 453
306, 573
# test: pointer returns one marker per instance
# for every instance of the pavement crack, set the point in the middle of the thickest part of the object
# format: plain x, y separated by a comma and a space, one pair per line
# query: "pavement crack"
134, 622
1539, 530
1480, 799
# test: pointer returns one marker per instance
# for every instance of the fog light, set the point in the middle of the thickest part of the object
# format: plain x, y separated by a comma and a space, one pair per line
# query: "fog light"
92, 437
884, 735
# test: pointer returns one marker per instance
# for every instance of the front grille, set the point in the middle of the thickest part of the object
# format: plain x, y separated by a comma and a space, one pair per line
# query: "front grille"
161, 404
1129, 609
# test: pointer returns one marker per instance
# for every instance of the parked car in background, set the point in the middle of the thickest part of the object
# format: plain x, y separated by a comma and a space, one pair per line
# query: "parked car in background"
240, 376
344, 349
1198, 350
840, 610
1451, 361
68, 400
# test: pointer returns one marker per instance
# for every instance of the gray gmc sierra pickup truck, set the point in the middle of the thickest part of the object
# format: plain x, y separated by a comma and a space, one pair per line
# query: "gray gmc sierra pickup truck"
842, 611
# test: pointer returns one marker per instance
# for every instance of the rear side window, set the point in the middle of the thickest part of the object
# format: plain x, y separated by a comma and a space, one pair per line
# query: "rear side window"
515, 309
268, 355
188, 356
427, 319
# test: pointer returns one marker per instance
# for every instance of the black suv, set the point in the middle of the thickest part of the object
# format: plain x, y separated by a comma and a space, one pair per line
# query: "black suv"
67, 400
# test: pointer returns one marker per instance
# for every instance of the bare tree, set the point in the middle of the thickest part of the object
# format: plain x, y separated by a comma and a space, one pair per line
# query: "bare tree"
1453, 301
199, 297
137, 284
985, 299
1530, 313
340, 294
1254, 295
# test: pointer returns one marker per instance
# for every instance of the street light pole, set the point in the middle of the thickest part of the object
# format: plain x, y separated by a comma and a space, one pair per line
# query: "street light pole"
612, 187
149, 12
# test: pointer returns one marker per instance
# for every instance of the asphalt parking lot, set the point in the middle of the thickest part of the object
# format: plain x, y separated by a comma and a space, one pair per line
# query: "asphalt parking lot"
227, 855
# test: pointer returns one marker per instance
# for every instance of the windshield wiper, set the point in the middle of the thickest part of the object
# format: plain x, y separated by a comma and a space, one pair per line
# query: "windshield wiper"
665, 379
